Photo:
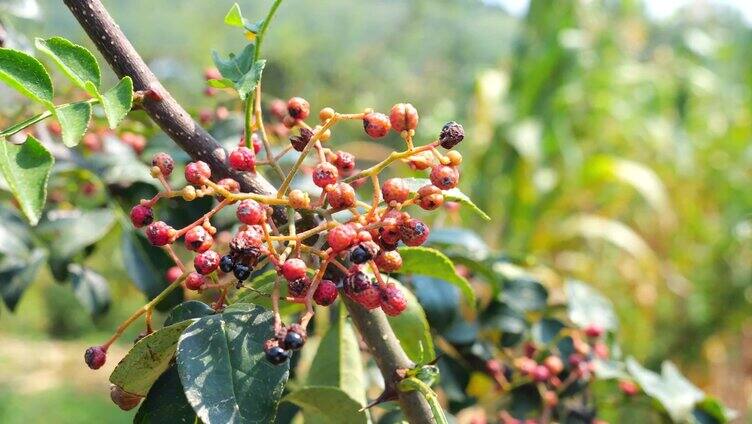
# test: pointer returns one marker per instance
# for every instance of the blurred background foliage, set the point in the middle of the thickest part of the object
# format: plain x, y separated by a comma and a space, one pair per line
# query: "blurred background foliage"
605, 145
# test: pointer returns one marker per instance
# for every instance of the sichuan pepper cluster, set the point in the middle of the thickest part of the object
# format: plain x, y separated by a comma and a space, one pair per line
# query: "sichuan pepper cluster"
351, 255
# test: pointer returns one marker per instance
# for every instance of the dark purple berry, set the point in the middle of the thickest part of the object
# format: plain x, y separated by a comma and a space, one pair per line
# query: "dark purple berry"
242, 272
226, 264
95, 357
276, 355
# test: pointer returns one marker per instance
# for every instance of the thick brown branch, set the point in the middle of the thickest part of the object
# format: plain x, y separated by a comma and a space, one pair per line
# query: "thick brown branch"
167, 113
175, 121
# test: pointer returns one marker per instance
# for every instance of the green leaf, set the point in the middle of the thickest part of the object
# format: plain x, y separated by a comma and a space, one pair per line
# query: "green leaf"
74, 119
432, 263
504, 318
90, 289
587, 307
677, 395
235, 67
147, 265
221, 83
609, 369
525, 294
15, 233
76, 62
234, 17
338, 361
453, 195
716, 410
117, 101
16, 275
26, 168
148, 359
412, 330
327, 405
70, 233
27, 75
188, 310
166, 402
250, 80
225, 375
440, 301
546, 330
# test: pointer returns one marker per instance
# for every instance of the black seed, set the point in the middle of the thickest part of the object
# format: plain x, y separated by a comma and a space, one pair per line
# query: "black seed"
276, 355
293, 341
241, 272
360, 255
226, 264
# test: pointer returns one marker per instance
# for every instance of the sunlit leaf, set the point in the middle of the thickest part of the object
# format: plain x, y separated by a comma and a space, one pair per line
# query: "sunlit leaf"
27, 75
26, 168
432, 263
74, 119
76, 62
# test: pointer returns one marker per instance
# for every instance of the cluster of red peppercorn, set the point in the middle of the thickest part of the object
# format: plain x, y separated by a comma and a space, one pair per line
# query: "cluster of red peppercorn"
366, 241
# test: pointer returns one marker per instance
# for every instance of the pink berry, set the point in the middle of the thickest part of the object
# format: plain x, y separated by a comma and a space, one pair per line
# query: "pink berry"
164, 162
141, 215
243, 159
414, 232
326, 293
246, 242
594, 331
95, 357
256, 142
344, 161
172, 274
324, 174
197, 172
541, 373
388, 261
159, 233
395, 190
229, 184
293, 269
370, 298
298, 108
445, 177
195, 281
206, 262
197, 239
341, 195
341, 237
403, 116
376, 124
393, 301
250, 212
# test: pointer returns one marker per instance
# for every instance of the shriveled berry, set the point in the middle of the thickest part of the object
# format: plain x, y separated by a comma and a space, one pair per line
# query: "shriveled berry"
403, 116
341, 195
430, 197
326, 293
324, 174
95, 357
356, 282
388, 261
554, 364
241, 272
293, 269
300, 141
341, 237
250, 212
159, 234
206, 262
226, 264
141, 215
393, 301
197, 172
172, 274
243, 159
298, 108
195, 281
376, 124
229, 184
197, 239
370, 298
276, 355
451, 134
246, 241
445, 177
414, 232
124, 400
298, 288
344, 161
164, 162
395, 190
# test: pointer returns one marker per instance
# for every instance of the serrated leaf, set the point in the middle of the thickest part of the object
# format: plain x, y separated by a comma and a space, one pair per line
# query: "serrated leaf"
327, 405
432, 263
250, 80
16, 275
67, 235
338, 361
76, 62
26, 168
148, 359
235, 66
117, 101
588, 307
27, 75
74, 119
147, 265
188, 310
234, 17
166, 402
90, 289
677, 395
412, 330
453, 195
223, 369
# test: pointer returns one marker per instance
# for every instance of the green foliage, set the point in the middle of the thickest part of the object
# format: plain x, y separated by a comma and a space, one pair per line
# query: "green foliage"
240, 72
453, 195
74, 120
76, 62
90, 289
432, 263
166, 402
27, 75
412, 330
26, 168
327, 405
117, 101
